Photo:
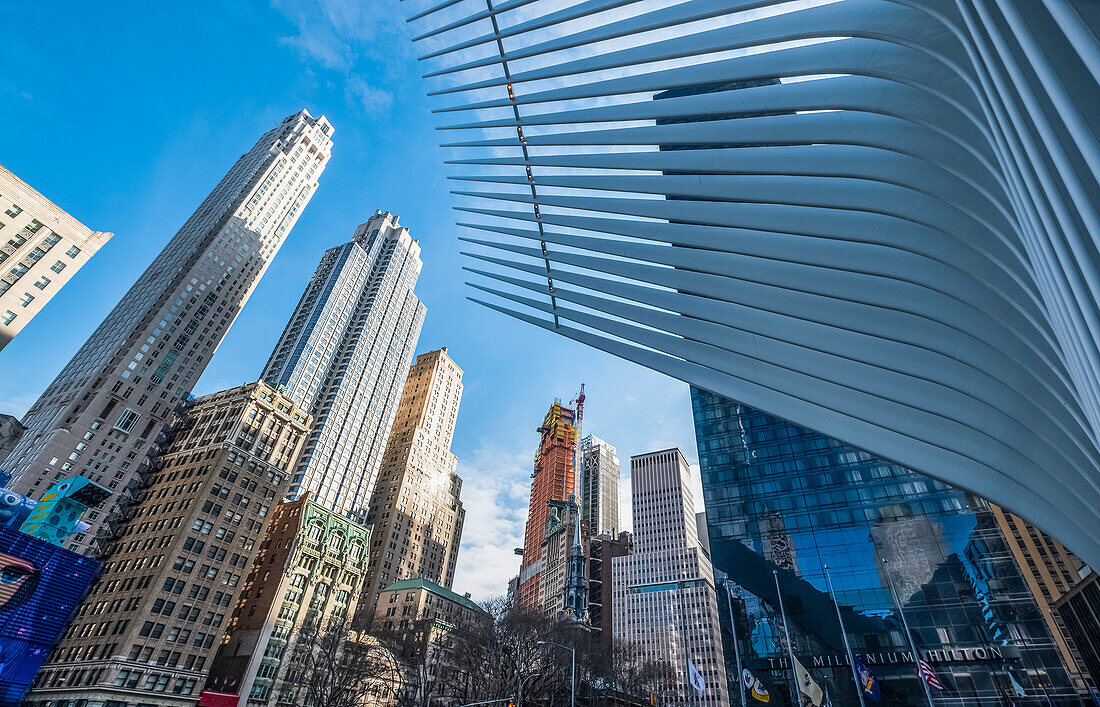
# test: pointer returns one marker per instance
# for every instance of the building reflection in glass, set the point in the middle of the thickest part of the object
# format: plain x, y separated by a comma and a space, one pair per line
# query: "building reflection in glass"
780, 497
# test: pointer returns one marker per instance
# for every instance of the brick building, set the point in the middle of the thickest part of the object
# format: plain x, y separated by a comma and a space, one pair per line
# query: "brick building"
148, 628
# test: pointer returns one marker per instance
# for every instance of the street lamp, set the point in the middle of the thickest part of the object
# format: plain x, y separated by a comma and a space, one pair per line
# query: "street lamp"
573, 670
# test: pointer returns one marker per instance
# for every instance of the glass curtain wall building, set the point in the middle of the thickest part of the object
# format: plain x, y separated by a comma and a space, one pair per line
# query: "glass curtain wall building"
782, 498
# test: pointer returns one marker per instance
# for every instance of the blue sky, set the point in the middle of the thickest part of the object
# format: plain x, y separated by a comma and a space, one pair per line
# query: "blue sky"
127, 114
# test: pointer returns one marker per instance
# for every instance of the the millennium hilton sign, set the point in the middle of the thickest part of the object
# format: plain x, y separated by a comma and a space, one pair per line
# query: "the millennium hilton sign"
946, 655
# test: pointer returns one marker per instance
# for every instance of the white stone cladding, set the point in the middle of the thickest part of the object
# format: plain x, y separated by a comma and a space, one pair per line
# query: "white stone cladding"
100, 417
41, 248
664, 601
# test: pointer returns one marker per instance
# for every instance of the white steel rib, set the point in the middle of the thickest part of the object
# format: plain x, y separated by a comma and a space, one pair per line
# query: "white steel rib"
875, 218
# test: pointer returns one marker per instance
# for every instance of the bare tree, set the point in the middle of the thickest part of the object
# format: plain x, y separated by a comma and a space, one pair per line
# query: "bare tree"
498, 656
333, 666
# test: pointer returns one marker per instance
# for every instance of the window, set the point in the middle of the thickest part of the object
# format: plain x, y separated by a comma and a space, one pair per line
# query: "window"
73, 252
126, 420
8, 317
14, 211
26, 299
58, 266
128, 678
42, 282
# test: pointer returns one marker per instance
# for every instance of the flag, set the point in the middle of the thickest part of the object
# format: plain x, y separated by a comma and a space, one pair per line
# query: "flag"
810, 690
755, 687
928, 675
867, 680
696, 679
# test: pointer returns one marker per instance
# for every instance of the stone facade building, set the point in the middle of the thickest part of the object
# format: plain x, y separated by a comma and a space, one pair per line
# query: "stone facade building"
305, 581
41, 248
416, 513
101, 414
149, 627
405, 602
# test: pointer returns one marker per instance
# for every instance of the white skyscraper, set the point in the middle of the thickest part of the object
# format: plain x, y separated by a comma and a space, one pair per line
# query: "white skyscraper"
600, 486
664, 602
100, 417
344, 356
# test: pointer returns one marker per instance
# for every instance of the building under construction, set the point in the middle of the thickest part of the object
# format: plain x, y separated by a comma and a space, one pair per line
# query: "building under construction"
552, 480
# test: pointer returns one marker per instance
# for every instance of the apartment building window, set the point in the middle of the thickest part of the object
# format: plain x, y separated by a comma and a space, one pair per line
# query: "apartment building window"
14, 211
8, 317
73, 252
26, 299
42, 282
126, 420
128, 678
58, 266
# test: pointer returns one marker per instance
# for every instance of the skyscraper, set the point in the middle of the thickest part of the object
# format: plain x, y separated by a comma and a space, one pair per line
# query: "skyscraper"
100, 416
552, 480
664, 598
344, 355
784, 499
148, 629
41, 247
600, 482
415, 510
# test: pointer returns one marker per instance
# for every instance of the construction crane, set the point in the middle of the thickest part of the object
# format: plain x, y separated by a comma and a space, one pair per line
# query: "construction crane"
577, 404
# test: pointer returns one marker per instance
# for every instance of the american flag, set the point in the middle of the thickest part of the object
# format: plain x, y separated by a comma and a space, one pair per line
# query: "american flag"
928, 675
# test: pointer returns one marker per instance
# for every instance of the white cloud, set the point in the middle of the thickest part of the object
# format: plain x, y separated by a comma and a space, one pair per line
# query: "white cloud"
370, 98
496, 487
346, 40
335, 33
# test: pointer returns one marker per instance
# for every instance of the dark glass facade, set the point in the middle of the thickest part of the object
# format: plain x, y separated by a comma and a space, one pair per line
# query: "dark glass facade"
1079, 610
782, 501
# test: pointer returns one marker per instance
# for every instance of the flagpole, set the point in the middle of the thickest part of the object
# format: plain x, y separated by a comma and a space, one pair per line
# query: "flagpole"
844, 635
736, 651
908, 633
796, 697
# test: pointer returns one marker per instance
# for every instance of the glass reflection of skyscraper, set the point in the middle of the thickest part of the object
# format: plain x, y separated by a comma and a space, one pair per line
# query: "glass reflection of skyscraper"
780, 497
